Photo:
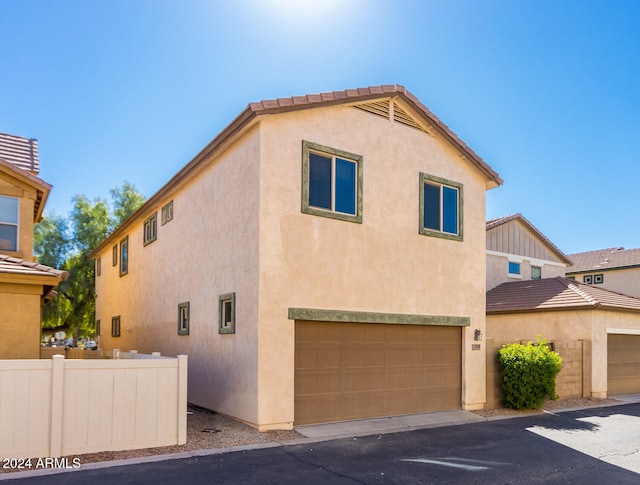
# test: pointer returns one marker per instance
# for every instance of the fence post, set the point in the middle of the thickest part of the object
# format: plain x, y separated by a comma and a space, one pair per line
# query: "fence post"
133, 354
155, 355
57, 402
182, 399
116, 353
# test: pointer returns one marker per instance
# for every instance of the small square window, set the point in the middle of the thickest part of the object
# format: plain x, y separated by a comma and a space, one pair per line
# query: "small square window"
588, 279
150, 229
166, 213
440, 207
331, 183
124, 256
183, 318
514, 268
115, 326
598, 279
227, 313
536, 272
98, 266
114, 255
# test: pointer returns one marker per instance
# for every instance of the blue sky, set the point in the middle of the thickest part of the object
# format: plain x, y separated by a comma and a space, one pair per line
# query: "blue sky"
547, 92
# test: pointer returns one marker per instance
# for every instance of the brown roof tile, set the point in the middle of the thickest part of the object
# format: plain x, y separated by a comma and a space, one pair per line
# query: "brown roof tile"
555, 294
22, 152
19, 266
602, 259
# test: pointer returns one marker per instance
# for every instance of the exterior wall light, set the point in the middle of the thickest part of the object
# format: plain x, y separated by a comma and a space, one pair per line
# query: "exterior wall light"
477, 335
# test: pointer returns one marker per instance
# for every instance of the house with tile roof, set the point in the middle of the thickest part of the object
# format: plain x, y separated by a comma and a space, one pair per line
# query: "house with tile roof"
517, 250
616, 269
24, 285
321, 259
601, 325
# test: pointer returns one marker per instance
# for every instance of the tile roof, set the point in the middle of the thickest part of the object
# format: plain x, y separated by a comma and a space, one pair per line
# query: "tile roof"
555, 294
493, 223
309, 101
603, 259
20, 151
16, 266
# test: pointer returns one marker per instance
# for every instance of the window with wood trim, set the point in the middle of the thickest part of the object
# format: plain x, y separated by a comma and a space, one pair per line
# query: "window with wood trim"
440, 207
114, 255
124, 256
166, 214
150, 229
227, 313
115, 326
183, 318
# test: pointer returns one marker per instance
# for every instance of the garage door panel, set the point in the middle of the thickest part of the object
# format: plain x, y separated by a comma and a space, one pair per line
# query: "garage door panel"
623, 367
368, 370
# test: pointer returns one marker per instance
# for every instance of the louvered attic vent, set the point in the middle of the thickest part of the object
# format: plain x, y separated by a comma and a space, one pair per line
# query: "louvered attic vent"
381, 108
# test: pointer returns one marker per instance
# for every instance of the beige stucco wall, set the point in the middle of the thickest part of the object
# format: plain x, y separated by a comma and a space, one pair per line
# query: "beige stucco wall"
238, 227
381, 265
20, 321
588, 325
498, 269
625, 281
209, 248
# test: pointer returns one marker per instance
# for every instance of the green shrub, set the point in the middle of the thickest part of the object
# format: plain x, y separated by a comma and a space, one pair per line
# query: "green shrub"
530, 373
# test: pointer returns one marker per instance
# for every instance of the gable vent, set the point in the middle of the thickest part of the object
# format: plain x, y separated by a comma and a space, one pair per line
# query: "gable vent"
381, 108
378, 108
401, 116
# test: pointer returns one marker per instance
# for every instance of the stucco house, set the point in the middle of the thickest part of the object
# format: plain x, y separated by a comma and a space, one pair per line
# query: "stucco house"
322, 259
24, 284
616, 269
595, 330
517, 250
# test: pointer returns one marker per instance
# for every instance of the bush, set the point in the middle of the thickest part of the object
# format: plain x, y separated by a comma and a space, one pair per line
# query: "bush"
530, 373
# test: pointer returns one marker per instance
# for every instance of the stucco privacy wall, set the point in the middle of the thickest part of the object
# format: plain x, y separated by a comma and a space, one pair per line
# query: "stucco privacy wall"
209, 248
587, 324
20, 321
381, 265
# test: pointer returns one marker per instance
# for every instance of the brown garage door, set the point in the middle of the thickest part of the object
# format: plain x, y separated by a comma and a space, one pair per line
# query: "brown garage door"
623, 364
354, 370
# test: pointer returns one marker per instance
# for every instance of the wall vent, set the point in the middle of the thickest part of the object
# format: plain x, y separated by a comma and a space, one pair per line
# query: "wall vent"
382, 109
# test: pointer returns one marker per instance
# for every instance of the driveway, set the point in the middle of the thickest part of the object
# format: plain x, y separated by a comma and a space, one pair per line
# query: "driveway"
596, 445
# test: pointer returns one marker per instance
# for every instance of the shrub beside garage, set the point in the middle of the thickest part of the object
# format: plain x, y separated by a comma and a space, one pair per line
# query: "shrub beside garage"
530, 373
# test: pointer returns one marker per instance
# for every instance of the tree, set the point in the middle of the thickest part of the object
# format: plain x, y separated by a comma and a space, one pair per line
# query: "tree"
66, 244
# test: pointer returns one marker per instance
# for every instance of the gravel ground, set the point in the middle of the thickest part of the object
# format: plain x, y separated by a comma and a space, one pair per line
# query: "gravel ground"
206, 430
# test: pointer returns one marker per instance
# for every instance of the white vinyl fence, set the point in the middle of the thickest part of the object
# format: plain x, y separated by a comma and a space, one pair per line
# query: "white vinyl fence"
62, 407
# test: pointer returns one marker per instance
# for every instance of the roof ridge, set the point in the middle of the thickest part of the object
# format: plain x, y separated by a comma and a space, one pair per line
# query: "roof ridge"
574, 286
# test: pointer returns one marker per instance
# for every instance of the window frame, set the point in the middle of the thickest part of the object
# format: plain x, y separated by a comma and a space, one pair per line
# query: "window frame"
166, 213
98, 268
124, 256
150, 229
229, 298
514, 274
333, 153
97, 327
114, 255
184, 318
16, 246
539, 270
433, 180
115, 326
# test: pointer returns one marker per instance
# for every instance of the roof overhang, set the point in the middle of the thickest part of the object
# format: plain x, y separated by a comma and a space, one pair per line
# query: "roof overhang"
41, 187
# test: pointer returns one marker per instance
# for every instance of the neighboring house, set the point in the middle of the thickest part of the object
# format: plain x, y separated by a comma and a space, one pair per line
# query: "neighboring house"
322, 259
560, 309
517, 250
24, 285
616, 269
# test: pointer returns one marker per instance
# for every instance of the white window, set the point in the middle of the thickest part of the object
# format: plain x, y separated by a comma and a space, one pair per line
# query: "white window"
9, 209
227, 313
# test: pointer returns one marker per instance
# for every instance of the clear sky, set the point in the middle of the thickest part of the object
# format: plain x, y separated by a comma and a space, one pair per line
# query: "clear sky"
545, 91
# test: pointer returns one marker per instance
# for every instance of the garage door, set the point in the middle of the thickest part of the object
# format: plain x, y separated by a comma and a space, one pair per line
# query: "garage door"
623, 366
350, 371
